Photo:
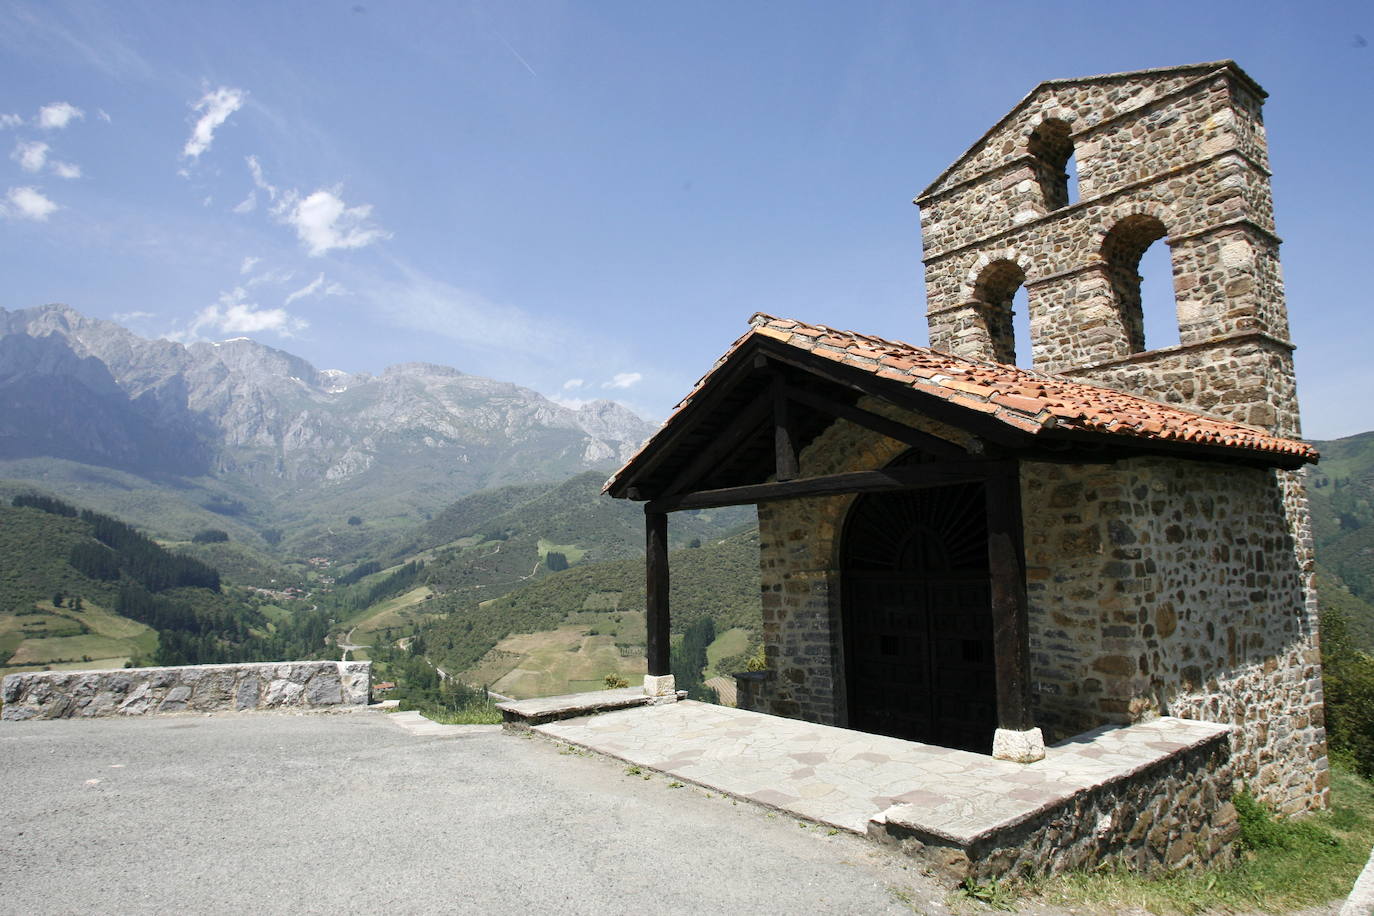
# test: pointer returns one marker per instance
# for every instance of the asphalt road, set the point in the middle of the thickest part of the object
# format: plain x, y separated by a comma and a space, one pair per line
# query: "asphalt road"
351, 814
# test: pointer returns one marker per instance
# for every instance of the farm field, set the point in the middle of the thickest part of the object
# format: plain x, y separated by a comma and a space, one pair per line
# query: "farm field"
404, 612
65, 638
573, 658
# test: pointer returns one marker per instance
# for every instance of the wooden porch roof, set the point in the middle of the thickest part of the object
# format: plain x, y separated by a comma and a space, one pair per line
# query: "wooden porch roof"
788, 380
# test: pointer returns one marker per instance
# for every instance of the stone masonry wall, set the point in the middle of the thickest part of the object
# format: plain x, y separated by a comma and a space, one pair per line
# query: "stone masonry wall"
1155, 586
1175, 813
1179, 153
1165, 586
192, 688
800, 576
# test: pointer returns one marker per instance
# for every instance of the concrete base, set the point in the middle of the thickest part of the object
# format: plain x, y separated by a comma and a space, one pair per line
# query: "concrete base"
660, 685
1019, 747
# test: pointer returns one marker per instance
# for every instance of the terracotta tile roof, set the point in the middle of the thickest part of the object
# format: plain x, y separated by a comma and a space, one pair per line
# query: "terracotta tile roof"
1033, 402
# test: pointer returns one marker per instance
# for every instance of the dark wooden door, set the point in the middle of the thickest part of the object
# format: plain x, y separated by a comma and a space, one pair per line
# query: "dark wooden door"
918, 618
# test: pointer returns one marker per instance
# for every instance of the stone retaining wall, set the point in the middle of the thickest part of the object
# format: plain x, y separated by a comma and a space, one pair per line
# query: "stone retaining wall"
1174, 812
191, 688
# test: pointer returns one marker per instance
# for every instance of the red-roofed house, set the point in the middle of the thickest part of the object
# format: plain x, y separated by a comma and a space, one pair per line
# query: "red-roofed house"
965, 553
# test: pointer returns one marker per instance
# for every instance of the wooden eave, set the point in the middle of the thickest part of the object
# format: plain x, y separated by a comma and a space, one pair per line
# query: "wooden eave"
768, 398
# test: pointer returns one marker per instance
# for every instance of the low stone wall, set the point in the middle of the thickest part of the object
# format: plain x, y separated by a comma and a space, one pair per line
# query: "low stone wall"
192, 688
1155, 796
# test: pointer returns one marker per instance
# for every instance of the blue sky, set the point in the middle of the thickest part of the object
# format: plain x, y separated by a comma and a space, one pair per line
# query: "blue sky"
591, 198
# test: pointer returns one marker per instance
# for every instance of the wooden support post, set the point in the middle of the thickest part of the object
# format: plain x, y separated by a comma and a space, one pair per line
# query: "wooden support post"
784, 446
656, 618
1010, 624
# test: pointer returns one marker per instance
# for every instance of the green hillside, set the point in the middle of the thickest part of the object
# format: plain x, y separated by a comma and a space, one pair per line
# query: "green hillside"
82, 589
1341, 491
718, 581
494, 542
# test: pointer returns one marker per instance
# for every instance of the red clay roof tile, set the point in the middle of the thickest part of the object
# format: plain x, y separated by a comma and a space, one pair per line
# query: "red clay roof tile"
1023, 399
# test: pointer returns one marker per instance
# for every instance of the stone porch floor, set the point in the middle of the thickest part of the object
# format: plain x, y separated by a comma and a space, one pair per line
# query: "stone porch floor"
846, 778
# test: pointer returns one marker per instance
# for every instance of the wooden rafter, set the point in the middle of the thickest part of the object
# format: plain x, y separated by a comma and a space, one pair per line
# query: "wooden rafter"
934, 474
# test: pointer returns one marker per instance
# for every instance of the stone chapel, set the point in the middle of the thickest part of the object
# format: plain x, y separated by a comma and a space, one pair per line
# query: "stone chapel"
965, 553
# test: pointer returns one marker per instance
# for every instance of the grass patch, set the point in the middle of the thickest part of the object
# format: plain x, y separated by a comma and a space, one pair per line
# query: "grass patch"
1283, 865
730, 643
473, 714
399, 612
572, 552
574, 658
275, 613
456, 704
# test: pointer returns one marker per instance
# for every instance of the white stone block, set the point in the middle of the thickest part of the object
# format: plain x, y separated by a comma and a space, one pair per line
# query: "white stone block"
661, 685
1020, 747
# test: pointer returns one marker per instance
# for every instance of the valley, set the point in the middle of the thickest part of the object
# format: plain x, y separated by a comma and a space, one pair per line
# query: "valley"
426, 520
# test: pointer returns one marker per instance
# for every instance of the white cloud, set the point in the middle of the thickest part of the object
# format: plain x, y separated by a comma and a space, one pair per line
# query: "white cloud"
132, 316
572, 383
233, 314
58, 115
324, 222
623, 380
247, 264
248, 204
259, 181
570, 403
66, 169
10, 120
316, 286
28, 203
216, 107
279, 277
102, 115
30, 154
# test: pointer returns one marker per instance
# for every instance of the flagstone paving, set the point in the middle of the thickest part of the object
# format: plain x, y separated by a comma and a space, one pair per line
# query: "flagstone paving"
845, 778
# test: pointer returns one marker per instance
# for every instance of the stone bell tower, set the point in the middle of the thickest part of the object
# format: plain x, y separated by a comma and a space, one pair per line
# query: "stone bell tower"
1176, 154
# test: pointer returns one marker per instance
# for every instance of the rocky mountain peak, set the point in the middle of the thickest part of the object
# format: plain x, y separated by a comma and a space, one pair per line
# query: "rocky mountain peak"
271, 419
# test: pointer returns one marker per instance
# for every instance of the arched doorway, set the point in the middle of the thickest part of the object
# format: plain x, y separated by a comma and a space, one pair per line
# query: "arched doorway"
918, 617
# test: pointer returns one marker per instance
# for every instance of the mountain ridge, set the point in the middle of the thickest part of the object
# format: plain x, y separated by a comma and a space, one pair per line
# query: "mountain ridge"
275, 430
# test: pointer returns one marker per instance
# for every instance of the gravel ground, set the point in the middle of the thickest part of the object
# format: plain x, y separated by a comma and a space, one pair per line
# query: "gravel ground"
351, 814
282, 813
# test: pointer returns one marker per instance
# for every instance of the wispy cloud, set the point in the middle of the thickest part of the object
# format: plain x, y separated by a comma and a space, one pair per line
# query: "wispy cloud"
316, 287
278, 277
42, 34
27, 203
323, 222
30, 154
132, 316
215, 107
573, 383
66, 169
58, 115
623, 380
247, 265
260, 183
259, 180
234, 314
418, 301
10, 120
